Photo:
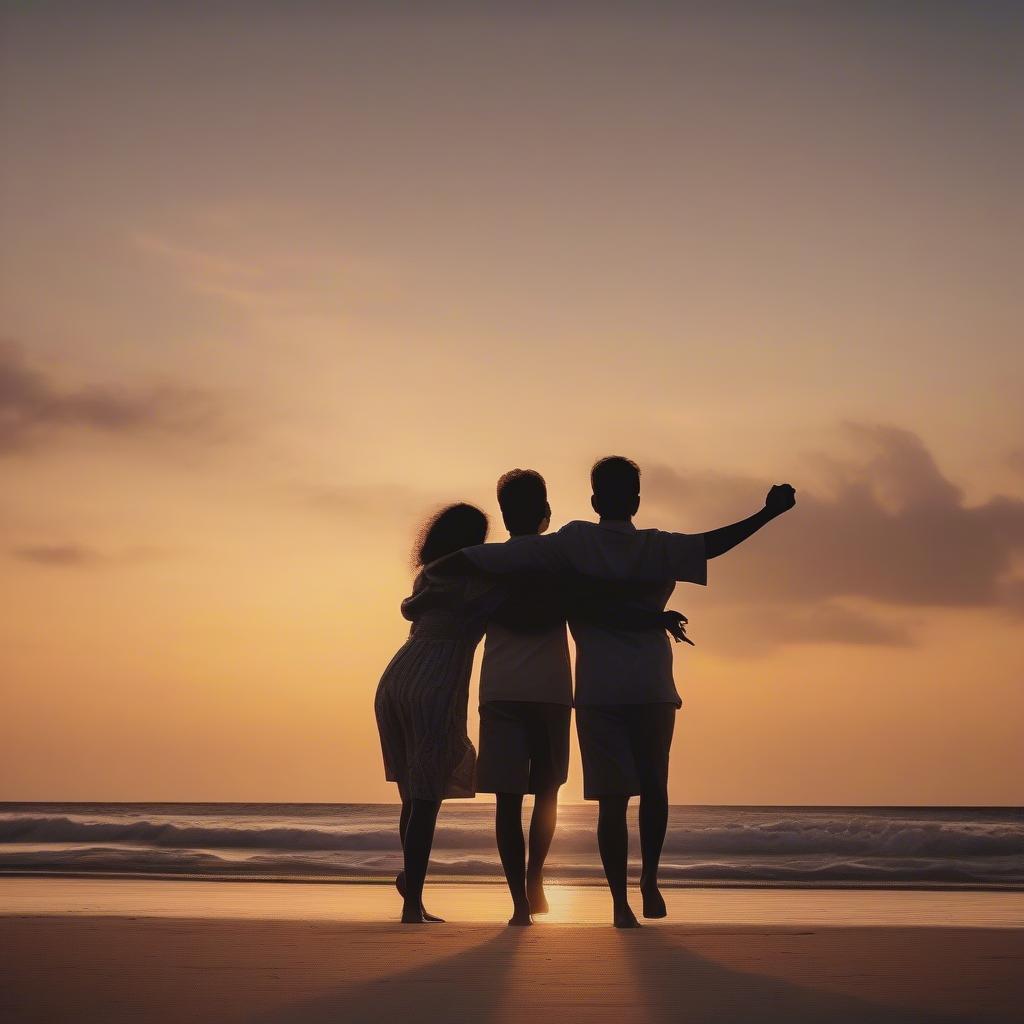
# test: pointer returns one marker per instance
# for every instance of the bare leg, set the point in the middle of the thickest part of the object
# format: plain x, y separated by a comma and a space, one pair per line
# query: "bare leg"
542, 831
613, 842
653, 824
419, 838
508, 829
403, 824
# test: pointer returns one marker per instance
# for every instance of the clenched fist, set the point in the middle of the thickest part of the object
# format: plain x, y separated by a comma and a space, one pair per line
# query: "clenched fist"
781, 498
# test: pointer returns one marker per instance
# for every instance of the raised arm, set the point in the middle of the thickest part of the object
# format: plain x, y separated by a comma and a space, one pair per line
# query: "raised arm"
781, 498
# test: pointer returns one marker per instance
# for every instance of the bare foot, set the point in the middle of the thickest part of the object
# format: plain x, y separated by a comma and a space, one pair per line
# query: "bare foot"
625, 918
654, 902
521, 918
535, 893
415, 915
428, 918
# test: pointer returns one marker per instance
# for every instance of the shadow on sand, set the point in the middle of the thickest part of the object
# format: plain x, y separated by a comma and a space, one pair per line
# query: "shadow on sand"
471, 985
683, 987
568, 975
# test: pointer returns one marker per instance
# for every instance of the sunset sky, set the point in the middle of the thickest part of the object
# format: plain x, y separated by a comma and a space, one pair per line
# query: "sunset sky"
277, 279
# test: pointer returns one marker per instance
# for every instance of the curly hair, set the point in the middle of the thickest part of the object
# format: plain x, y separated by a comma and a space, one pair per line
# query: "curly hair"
451, 528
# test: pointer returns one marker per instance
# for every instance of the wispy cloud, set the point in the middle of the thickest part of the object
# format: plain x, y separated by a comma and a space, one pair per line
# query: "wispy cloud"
60, 555
79, 556
34, 407
208, 272
269, 279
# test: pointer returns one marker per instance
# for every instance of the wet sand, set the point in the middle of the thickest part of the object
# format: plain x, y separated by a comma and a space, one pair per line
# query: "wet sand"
79, 951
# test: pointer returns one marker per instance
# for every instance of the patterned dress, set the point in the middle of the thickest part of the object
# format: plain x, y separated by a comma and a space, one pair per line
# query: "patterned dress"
422, 697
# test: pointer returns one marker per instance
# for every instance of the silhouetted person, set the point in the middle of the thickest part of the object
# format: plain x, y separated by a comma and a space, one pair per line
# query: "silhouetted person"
422, 696
626, 698
526, 695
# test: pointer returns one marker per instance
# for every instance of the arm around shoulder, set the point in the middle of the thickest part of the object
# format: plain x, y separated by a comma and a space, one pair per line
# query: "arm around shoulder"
528, 554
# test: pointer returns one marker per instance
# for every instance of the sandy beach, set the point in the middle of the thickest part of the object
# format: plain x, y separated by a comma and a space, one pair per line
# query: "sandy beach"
110, 951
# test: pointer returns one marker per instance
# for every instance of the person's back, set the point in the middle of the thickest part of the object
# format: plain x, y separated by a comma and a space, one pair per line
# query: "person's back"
526, 664
626, 698
615, 665
525, 704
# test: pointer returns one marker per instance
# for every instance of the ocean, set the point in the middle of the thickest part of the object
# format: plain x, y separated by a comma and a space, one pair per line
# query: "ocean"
906, 847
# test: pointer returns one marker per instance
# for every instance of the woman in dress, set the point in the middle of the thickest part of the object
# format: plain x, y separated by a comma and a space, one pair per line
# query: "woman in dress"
422, 697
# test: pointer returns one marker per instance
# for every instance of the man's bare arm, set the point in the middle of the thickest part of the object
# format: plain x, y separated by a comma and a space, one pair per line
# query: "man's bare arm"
455, 564
541, 554
781, 498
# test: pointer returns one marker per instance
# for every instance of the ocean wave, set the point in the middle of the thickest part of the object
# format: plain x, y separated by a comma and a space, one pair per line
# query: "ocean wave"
68, 829
1007, 871
835, 836
813, 846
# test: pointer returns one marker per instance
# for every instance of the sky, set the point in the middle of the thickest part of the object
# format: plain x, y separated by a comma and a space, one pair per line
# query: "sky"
278, 279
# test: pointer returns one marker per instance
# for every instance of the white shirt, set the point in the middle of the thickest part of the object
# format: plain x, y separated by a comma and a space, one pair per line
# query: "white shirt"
526, 664
612, 666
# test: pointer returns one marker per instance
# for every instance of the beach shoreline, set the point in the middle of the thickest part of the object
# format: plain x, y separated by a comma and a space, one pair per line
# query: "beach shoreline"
110, 952
491, 880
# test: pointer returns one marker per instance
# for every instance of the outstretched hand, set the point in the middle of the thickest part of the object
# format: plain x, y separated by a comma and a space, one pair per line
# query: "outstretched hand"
781, 498
675, 623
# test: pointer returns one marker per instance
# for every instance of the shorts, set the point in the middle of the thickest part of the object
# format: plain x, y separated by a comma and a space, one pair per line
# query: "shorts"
524, 746
625, 747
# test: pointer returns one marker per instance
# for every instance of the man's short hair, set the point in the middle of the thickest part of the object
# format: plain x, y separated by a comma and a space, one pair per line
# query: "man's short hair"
523, 497
615, 482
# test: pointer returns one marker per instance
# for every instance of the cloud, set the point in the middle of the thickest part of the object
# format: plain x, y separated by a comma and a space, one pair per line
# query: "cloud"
1014, 596
34, 407
240, 262
62, 555
886, 528
78, 556
740, 631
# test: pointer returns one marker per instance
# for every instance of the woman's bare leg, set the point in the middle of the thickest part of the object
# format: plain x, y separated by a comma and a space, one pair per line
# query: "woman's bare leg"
403, 824
416, 846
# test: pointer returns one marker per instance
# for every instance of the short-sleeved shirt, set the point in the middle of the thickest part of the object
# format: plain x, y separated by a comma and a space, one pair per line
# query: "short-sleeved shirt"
531, 665
612, 666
